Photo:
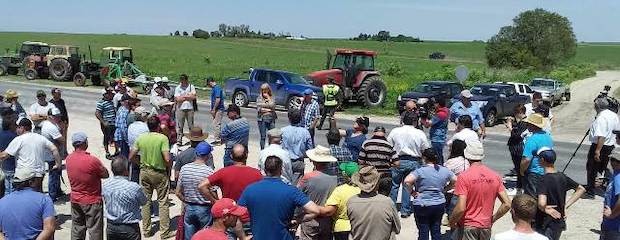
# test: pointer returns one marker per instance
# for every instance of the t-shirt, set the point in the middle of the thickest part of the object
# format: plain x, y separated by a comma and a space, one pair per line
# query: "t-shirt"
36, 108
480, 185
603, 125
234, 179
354, 143
555, 185
378, 152
373, 217
22, 213
611, 199
84, 172
30, 149
272, 203
317, 186
217, 92
430, 184
458, 109
439, 125
190, 176
532, 144
107, 110
514, 235
165, 121
5, 138
180, 91
339, 198
210, 234
465, 135
151, 146
408, 140
50, 131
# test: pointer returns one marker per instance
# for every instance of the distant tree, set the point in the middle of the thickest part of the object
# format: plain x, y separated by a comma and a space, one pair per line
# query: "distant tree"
216, 34
185, 34
177, 33
537, 38
223, 30
382, 36
199, 33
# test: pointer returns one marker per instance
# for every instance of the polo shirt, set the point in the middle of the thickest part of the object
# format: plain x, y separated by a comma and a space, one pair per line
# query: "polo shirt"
151, 146
84, 172
296, 140
22, 213
603, 126
190, 176
532, 144
408, 140
271, 204
458, 109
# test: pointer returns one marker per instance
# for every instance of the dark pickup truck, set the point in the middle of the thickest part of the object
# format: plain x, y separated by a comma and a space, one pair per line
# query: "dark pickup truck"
496, 101
287, 87
425, 92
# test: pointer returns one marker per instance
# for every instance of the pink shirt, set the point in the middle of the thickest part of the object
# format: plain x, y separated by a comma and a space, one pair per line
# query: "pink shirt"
480, 185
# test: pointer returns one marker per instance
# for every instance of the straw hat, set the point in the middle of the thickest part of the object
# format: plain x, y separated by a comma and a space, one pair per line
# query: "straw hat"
366, 179
10, 94
196, 135
320, 154
537, 120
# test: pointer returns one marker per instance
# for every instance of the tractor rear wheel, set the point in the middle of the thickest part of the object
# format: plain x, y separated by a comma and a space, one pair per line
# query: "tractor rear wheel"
3, 70
79, 79
30, 74
60, 69
372, 92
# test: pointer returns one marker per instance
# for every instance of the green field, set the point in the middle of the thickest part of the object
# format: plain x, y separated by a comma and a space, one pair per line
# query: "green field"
222, 58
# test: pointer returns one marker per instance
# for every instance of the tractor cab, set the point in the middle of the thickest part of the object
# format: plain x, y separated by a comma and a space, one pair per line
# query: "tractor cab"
33, 48
120, 63
358, 59
119, 55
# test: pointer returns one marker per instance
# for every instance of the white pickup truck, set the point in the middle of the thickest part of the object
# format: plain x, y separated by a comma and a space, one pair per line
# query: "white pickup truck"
553, 91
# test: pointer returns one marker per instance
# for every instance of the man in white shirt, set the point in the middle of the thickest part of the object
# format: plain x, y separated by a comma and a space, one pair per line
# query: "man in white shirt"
275, 149
408, 142
463, 131
38, 110
523, 211
30, 150
51, 130
603, 141
184, 95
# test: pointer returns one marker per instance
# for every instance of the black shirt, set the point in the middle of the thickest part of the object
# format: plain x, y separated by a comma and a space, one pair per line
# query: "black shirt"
516, 137
60, 104
555, 185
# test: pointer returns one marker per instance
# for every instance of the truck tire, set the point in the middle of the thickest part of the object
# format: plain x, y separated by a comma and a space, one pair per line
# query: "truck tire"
60, 69
79, 79
240, 98
293, 102
490, 119
372, 92
567, 97
30, 74
3, 70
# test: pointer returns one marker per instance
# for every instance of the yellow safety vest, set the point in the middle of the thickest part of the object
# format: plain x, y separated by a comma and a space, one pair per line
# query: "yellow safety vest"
330, 91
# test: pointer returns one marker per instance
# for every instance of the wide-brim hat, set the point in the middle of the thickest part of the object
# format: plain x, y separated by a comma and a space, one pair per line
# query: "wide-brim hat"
366, 179
196, 134
474, 151
321, 154
10, 94
536, 119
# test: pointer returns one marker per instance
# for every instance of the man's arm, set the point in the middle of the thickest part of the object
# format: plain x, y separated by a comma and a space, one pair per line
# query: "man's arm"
4, 156
611, 213
459, 211
205, 189
49, 226
100, 118
166, 155
600, 142
103, 172
548, 209
56, 155
579, 191
179, 192
504, 208
312, 211
328, 211
132, 156
525, 163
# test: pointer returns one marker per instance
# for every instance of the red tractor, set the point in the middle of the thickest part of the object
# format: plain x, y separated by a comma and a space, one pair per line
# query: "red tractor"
354, 71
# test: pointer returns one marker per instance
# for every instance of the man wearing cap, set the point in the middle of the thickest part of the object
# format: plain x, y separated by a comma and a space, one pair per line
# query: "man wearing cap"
372, 215
226, 213
336, 204
106, 114
30, 150
438, 127
275, 149
123, 199
331, 91
378, 152
610, 227
52, 130
531, 170
310, 113
38, 110
154, 164
465, 107
236, 131
27, 213
157, 95
296, 140
184, 95
603, 142
166, 121
318, 185
11, 97
121, 125
271, 203
217, 107
552, 196
477, 189
85, 173
197, 212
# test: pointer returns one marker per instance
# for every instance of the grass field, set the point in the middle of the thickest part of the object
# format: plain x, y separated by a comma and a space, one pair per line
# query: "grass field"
222, 58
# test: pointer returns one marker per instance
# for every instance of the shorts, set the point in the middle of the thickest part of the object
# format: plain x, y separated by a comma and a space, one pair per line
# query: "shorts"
108, 133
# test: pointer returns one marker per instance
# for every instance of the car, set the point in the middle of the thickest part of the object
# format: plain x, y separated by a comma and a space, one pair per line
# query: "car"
496, 101
553, 91
426, 92
521, 88
287, 87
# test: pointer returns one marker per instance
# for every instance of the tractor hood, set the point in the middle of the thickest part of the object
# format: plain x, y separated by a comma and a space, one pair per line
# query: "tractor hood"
320, 77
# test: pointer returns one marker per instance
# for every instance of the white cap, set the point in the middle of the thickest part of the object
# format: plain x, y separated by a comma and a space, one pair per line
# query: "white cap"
156, 79
164, 79
466, 93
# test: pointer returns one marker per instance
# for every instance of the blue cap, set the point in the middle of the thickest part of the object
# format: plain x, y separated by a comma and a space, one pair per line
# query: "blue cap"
79, 137
203, 149
308, 92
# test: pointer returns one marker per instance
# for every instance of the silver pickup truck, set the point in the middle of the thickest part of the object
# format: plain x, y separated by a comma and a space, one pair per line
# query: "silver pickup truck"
553, 91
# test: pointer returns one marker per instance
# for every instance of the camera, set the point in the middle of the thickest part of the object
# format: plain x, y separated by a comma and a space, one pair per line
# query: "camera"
613, 102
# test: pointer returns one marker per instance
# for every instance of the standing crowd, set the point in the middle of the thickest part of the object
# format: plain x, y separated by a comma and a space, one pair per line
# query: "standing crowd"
351, 192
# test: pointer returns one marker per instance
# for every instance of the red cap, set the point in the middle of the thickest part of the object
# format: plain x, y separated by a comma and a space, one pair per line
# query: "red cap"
227, 206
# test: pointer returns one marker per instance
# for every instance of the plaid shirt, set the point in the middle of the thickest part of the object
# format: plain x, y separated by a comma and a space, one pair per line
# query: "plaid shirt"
310, 113
343, 155
123, 200
236, 132
121, 124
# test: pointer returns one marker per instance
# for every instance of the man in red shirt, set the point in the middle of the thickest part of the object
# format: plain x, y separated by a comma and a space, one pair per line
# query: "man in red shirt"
226, 214
477, 188
232, 179
85, 173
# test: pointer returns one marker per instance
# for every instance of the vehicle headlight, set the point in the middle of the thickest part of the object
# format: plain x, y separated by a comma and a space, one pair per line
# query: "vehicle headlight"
422, 101
480, 104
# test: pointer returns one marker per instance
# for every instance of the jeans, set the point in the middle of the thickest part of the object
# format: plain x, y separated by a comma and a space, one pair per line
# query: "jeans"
134, 172
8, 182
311, 130
184, 115
438, 148
407, 165
196, 217
123, 231
264, 126
428, 219
610, 235
452, 203
516, 154
87, 217
593, 167
53, 181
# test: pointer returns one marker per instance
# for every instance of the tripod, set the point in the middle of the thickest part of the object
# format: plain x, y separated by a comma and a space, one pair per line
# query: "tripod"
576, 150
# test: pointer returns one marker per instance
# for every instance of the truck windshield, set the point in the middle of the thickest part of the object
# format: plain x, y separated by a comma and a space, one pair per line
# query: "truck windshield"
541, 83
484, 90
427, 88
296, 78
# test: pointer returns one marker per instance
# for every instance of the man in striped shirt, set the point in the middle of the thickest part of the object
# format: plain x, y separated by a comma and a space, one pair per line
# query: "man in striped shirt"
122, 199
237, 131
378, 152
106, 114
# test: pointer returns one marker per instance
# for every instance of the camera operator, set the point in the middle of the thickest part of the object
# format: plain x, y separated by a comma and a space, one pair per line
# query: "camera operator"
602, 139
438, 124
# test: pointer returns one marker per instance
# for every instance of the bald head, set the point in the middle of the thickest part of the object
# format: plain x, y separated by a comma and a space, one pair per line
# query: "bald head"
239, 153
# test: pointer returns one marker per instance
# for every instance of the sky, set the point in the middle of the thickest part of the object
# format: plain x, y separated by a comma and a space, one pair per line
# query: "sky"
593, 20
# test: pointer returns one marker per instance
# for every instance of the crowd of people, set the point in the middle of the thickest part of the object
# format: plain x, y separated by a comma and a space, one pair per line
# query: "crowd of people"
351, 192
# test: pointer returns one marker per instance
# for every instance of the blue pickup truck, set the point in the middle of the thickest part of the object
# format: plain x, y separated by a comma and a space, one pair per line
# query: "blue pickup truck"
287, 87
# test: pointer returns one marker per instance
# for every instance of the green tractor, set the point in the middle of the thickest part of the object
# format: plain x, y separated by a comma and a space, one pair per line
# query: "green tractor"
118, 63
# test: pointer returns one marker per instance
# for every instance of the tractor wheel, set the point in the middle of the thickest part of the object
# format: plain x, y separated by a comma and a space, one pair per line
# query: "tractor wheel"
30, 74
3, 70
96, 79
372, 92
240, 98
79, 79
60, 69
293, 102
491, 118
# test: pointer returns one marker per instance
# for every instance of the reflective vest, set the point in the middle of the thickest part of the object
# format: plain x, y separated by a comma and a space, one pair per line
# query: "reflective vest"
330, 91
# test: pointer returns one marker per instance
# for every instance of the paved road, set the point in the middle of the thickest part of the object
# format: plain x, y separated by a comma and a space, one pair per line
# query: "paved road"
83, 102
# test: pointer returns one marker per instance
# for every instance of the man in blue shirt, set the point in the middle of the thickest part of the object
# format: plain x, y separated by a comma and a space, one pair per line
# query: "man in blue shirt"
610, 227
234, 132
9, 117
296, 140
272, 203
26, 213
217, 107
465, 107
531, 169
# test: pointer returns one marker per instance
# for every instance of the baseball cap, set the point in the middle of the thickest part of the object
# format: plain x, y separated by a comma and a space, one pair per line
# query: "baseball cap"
547, 154
349, 168
23, 174
140, 110
308, 92
474, 151
380, 129
203, 149
41, 93
466, 93
227, 206
79, 137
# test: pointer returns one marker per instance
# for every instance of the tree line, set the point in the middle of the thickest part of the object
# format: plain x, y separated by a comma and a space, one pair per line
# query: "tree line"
233, 31
384, 36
